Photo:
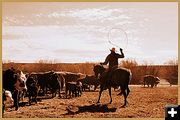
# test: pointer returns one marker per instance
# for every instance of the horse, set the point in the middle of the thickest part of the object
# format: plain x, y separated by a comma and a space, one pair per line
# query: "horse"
119, 77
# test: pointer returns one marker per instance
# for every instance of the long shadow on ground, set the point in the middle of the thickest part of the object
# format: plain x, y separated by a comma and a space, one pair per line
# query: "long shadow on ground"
90, 108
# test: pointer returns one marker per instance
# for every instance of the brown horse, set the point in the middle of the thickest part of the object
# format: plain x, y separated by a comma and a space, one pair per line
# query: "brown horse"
119, 77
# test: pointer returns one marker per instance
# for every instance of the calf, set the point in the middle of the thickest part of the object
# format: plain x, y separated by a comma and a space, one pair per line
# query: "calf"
7, 98
73, 89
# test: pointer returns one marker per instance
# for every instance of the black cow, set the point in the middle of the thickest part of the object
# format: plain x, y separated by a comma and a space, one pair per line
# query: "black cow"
39, 79
14, 81
54, 84
49, 80
150, 80
32, 89
42, 78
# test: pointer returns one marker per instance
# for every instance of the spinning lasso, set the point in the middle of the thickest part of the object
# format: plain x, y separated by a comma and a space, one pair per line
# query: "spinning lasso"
120, 43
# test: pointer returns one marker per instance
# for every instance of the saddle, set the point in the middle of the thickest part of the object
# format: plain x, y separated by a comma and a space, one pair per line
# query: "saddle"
110, 70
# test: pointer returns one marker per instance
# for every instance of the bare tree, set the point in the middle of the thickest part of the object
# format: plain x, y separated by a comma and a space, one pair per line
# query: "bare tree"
171, 72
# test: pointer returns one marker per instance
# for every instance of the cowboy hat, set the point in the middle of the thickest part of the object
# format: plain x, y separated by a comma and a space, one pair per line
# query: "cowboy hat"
113, 49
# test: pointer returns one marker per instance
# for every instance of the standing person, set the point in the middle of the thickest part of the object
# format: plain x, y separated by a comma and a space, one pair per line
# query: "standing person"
112, 59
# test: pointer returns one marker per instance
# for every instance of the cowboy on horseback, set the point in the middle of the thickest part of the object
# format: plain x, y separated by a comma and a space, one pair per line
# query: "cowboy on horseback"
112, 59
114, 76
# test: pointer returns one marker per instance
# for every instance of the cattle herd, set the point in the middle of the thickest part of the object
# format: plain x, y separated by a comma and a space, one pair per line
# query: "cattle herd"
17, 84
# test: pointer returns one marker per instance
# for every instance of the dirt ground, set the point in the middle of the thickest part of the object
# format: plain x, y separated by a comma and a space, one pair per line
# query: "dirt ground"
142, 102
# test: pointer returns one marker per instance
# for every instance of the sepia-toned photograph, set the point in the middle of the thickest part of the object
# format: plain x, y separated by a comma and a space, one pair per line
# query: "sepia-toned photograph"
89, 59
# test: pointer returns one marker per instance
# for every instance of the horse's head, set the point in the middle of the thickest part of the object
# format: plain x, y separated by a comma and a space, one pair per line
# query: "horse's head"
98, 69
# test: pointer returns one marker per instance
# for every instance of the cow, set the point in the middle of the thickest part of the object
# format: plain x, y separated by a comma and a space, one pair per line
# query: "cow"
42, 78
50, 80
119, 77
14, 81
89, 80
150, 80
32, 89
7, 98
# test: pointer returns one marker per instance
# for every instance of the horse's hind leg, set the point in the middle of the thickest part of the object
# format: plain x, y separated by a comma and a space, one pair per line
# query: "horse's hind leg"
125, 97
110, 95
128, 90
100, 92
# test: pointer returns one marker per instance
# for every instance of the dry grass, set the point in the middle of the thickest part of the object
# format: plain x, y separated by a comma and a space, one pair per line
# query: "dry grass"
143, 102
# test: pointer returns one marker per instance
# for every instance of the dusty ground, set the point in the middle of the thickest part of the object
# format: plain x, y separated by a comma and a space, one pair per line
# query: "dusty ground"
143, 102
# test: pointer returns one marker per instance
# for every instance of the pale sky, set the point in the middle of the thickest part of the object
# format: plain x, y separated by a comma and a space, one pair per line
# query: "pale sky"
78, 32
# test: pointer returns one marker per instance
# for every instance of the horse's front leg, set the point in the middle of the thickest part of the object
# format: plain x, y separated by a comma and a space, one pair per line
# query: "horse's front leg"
110, 95
100, 92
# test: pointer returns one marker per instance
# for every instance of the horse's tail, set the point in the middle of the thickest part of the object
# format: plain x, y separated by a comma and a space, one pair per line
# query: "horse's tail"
130, 76
127, 86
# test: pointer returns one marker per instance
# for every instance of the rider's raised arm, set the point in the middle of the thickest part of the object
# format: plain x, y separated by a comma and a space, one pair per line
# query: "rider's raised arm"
120, 55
